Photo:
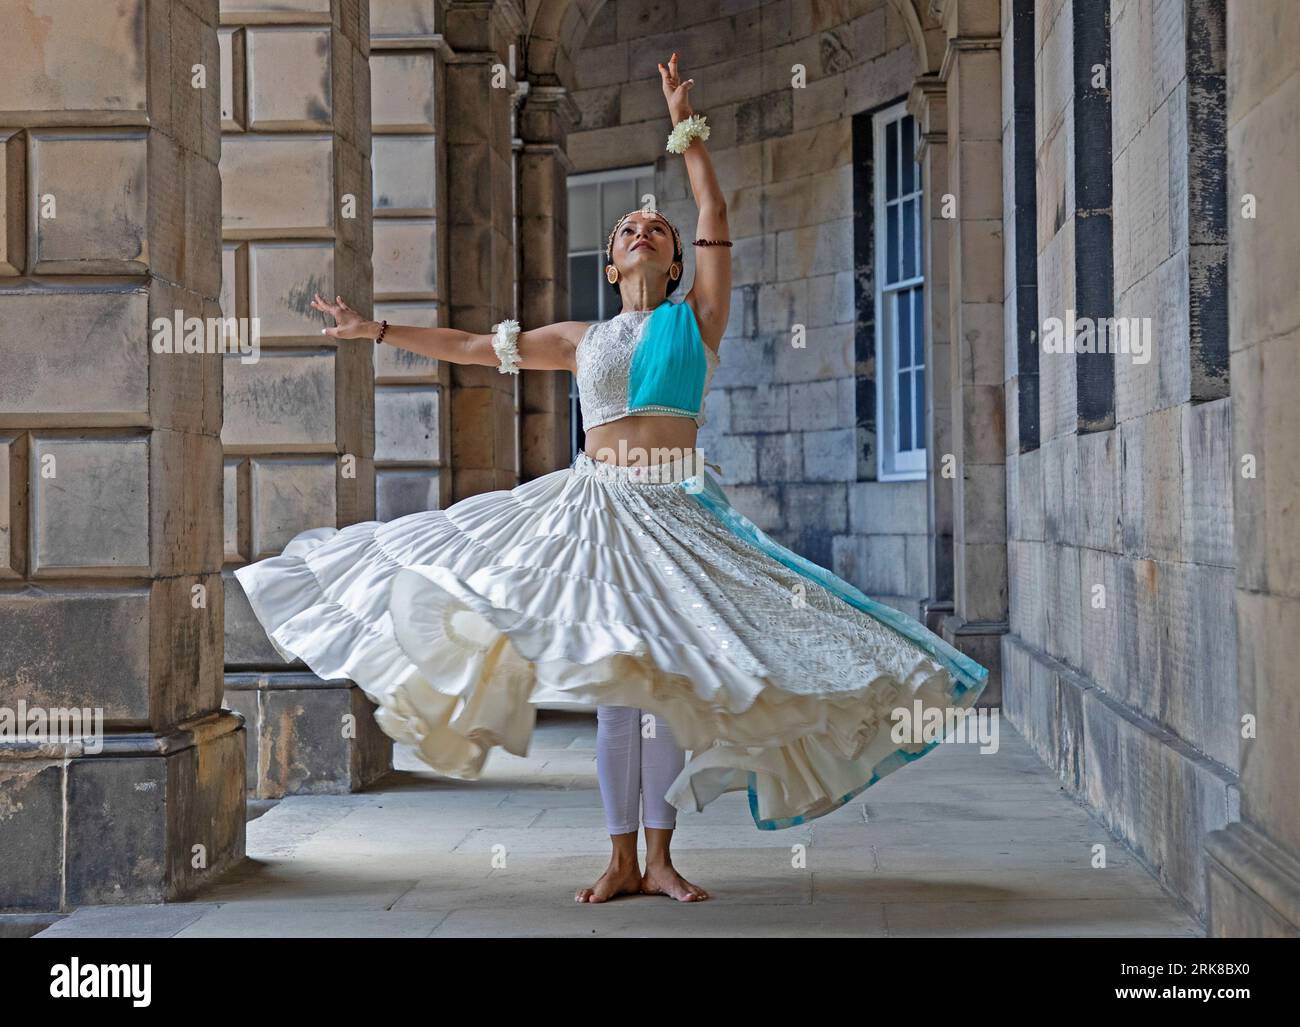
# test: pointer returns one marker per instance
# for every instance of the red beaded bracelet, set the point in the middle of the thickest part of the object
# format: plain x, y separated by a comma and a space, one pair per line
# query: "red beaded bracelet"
712, 242
383, 327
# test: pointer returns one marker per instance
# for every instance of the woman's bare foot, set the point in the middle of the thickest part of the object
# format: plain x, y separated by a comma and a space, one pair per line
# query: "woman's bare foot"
660, 878
619, 878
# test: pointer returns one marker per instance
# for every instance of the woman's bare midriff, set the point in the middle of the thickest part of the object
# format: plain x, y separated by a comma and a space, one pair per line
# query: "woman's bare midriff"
641, 439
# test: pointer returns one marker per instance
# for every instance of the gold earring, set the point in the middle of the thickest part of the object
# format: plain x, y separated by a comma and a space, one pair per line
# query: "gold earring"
674, 271
611, 274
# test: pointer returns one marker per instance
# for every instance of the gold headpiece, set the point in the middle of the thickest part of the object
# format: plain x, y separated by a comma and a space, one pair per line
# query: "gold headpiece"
677, 239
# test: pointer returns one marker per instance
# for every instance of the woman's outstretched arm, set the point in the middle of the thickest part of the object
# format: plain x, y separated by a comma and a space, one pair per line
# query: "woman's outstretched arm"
710, 294
549, 348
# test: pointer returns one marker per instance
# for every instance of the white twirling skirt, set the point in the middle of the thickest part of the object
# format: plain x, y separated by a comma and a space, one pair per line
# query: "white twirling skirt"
618, 585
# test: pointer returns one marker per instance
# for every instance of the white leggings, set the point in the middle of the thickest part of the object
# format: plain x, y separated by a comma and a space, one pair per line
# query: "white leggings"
631, 765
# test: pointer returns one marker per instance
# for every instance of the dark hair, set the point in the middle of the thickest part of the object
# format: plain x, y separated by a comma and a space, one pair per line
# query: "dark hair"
678, 256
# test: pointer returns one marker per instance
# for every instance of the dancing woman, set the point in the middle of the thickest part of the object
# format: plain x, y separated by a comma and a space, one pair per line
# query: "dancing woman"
626, 581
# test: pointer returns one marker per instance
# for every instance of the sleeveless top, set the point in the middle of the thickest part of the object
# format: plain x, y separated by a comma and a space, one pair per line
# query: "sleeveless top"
644, 362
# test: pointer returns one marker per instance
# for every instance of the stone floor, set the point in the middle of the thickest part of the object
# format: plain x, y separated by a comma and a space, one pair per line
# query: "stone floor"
958, 844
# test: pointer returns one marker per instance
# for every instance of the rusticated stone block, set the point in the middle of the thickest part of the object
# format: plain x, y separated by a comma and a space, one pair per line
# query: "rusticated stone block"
300, 740
401, 90
1153, 488
277, 185
406, 424
1061, 497
289, 78
88, 201
402, 18
67, 55
184, 387
405, 175
1207, 483
887, 508
1065, 600
1099, 490
59, 640
13, 203
1130, 771
982, 500
981, 576
135, 825
282, 277
233, 97
282, 11
246, 641
185, 472
90, 497
287, 497
394, 366
828, 353
13, 504
780, 456
738, 457
31, 834
1026, 576
285, 400
186, 616
405, 259
232, 473
762, 409
1030, 487
1100, 611
876, 564
400, 492
830, 455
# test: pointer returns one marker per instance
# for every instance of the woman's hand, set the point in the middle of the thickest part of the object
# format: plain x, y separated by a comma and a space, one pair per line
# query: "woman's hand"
348, 323
675, 90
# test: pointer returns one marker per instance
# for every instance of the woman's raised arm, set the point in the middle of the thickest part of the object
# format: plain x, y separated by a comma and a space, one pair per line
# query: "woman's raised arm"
710, 293
549, 348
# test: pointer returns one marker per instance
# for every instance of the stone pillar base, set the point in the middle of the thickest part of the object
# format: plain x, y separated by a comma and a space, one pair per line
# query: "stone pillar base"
982, 642
1252, 885
934, 612
307, 736
149, 818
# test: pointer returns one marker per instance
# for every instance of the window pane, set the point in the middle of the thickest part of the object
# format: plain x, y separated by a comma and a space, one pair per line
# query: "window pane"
904, 411
891, 243
918, 325
617, 198
891, 160
920, 409
584, 222
909, 238
904, 350
582, 288
908, 146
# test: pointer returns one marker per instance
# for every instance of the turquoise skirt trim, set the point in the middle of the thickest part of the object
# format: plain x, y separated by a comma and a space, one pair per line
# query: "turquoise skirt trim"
968, 677
669, 366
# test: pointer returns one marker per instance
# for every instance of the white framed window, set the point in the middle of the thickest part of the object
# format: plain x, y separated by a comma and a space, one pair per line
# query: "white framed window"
900, 297
596, 200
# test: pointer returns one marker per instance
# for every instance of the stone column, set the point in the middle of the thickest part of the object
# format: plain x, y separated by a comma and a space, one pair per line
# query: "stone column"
972, 72
110, 459
928, 104
299, 420
481, 86
408, 55
547, 117
1253, 867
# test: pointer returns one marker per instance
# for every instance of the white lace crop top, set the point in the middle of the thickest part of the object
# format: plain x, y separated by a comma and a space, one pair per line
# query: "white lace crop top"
644, 362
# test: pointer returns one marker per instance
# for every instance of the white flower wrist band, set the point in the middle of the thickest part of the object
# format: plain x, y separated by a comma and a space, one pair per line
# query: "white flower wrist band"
505, 347
686, 132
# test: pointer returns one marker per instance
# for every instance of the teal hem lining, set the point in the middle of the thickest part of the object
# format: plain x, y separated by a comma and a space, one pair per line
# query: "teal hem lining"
967, 675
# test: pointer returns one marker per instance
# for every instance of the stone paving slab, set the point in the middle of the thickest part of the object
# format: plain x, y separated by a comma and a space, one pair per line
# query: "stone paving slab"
960, 844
